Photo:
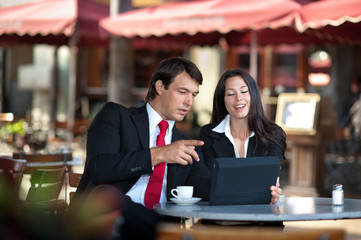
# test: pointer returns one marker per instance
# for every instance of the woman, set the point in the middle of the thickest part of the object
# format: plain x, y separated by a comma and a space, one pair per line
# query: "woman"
239, 127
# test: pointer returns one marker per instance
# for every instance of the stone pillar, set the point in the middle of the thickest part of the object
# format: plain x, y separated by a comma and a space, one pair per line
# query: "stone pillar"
121, 62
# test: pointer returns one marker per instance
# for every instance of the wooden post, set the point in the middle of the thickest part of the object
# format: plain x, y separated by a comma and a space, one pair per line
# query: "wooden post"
254, 56
302, 68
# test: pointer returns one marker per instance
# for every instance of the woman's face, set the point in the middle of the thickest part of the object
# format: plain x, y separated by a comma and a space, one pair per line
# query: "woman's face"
237, 97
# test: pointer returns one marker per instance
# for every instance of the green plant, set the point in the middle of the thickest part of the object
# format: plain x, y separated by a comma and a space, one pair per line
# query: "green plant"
8, 131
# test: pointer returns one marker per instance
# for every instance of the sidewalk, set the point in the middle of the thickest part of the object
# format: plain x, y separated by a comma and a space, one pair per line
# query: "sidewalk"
351, 226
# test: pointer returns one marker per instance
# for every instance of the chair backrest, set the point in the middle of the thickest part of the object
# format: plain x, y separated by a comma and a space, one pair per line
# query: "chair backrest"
43, 161
46, 184
11, 173
174, 232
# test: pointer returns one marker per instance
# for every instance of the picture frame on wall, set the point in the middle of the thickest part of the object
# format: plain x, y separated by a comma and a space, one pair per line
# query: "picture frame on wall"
297, 113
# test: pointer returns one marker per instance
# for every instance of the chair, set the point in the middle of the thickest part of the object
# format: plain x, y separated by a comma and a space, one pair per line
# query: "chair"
174, 232
74, 179
11, 173
46, 185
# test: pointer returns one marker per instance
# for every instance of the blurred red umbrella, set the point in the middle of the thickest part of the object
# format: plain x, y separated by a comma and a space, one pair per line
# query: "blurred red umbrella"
53, 22
331, 20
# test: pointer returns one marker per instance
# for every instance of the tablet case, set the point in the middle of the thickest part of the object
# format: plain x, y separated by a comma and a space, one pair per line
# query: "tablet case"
237, 181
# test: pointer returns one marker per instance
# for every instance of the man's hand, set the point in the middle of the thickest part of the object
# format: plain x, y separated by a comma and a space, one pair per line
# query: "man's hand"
180, 152
276, 192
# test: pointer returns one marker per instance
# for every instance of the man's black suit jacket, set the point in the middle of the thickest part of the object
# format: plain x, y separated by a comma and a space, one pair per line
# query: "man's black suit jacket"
118, 153
217, 145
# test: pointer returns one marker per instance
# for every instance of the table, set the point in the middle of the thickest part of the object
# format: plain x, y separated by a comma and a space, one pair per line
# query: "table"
287, 209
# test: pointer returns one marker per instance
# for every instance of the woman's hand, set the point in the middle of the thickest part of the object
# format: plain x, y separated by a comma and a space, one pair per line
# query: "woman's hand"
276, 192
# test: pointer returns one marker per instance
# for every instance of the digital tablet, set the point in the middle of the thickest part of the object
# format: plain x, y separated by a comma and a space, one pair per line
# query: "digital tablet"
238, 181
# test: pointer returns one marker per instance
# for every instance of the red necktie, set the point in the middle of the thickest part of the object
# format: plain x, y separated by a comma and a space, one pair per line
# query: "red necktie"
154, 188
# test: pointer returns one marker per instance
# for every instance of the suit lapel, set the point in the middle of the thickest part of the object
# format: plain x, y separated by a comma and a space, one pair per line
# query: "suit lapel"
141, 121
251, 146
222, 145
176, 135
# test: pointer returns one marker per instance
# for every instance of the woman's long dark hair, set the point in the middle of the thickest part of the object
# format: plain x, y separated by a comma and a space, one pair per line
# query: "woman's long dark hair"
265, 129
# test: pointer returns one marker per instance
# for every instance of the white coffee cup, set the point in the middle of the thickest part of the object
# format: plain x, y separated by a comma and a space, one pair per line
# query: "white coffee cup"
182, 192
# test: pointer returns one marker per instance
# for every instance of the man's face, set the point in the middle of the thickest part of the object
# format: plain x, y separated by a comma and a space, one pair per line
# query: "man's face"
174, 103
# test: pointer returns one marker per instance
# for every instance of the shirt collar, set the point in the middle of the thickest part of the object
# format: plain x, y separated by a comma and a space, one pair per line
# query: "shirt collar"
155, 118
224, 127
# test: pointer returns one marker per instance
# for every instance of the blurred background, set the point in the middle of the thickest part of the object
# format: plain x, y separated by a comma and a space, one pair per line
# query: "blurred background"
61, 60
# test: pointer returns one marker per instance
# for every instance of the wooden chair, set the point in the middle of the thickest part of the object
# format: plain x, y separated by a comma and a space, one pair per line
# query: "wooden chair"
74, 179
11, 173
174, 232
44, 161
46, 185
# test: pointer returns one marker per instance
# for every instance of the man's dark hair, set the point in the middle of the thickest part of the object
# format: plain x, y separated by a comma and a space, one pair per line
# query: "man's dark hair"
168, 69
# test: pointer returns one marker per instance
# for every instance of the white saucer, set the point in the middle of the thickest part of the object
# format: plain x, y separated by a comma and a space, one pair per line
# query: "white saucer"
186, 201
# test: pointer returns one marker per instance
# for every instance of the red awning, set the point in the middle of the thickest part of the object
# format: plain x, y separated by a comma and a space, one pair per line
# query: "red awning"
331, 20
52, 21
204, 22
190, 18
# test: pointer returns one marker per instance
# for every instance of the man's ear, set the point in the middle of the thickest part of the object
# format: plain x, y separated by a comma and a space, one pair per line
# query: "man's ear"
159, 87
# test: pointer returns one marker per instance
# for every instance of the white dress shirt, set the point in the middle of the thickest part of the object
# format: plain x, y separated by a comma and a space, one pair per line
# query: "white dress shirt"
224, 127
136, 193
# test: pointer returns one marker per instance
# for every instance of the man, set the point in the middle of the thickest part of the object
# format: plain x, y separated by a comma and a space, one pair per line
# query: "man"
122, 149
